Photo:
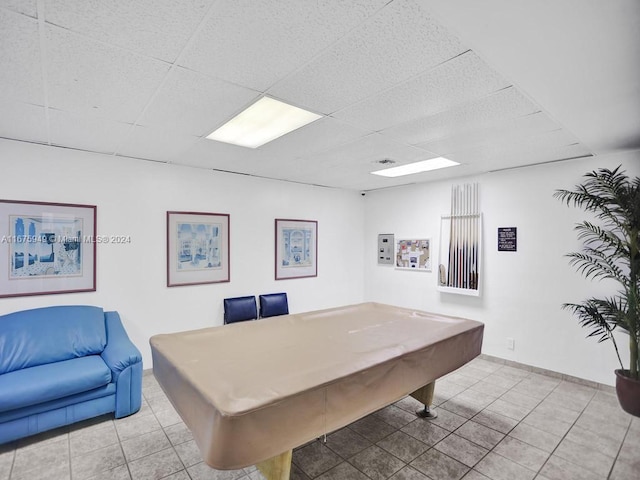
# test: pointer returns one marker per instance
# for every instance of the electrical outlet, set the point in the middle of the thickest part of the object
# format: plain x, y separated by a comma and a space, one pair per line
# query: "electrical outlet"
511, 344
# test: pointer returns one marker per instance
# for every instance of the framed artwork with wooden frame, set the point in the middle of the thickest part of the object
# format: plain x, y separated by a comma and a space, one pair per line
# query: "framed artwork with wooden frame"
197, 248
296, 248
47, 248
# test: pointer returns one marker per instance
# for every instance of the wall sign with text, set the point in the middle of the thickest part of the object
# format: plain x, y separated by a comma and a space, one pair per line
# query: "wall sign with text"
507, 239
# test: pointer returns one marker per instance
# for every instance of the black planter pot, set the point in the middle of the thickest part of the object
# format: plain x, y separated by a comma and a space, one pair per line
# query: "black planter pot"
628, 390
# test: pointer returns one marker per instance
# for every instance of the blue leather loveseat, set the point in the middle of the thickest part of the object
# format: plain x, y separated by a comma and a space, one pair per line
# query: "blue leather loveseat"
59, 365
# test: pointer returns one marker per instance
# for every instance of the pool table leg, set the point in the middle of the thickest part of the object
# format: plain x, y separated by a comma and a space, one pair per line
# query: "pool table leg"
425, 395
278, 467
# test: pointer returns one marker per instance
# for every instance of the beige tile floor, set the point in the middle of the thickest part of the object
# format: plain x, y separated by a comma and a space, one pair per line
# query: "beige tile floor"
495, 422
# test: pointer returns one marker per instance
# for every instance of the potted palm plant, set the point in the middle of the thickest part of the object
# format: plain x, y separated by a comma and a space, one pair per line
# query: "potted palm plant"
610, 251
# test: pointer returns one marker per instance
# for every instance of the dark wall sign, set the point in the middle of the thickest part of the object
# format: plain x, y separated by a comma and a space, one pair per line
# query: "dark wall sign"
507, 239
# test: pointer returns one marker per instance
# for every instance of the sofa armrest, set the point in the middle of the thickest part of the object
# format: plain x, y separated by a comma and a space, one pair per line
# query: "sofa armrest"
120, 352
125, 362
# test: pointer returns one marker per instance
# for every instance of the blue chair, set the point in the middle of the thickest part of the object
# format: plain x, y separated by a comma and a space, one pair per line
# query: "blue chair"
273, 304
239, 309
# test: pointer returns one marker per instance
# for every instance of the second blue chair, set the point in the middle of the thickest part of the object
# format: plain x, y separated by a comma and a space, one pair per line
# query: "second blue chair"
273, 304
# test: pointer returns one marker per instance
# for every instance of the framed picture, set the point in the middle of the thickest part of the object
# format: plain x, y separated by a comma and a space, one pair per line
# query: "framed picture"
46, 248
197, 248
414, 255
296, 248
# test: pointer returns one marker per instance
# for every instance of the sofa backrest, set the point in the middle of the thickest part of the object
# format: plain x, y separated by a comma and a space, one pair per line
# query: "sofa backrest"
51, 334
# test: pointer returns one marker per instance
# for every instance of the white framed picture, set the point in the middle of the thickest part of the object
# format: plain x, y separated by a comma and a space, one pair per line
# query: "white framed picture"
413, 254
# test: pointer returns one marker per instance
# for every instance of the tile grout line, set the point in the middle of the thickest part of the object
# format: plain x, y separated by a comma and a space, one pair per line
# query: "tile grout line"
615, 461
539, 472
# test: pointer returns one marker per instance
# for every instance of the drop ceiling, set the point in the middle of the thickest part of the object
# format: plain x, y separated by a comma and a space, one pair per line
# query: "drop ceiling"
493, 85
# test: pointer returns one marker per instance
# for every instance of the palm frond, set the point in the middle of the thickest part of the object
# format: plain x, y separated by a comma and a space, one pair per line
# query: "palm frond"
590, 233
601, 317
592, 264
606, 193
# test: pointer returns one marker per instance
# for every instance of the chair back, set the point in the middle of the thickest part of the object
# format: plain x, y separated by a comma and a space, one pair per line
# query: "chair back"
273, 304
239, 309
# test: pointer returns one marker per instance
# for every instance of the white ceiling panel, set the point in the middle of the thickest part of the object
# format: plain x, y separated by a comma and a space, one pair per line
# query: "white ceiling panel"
155, 144
456, 81
195, 104
535, 144
513, 159
368, 151
220, 156
96, 79
20, 67
86, 133
301, 171
27, 7
23, 121
505, 104
577, 58
323, 134
156, 28
391, 47
546, 147
255, 43
503, 129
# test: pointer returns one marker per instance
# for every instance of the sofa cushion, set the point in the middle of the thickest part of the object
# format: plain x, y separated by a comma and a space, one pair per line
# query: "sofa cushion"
52, 334
108, 390
42, 383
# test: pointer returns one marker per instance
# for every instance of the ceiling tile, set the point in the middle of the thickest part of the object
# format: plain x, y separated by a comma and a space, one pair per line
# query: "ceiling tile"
323, 134
540, 154
85, 132
298, 170
21, 74
27, 7
511, 128
195, 104
531, 142
155, 144
96, 79
367, 151
544, 147
456, 81
389, 48
255, 43
505, 104
579, 59
220, 156
156, 28
23, 121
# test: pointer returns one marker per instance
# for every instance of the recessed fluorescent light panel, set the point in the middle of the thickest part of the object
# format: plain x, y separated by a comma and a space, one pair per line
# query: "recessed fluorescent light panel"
262, 122
417, 167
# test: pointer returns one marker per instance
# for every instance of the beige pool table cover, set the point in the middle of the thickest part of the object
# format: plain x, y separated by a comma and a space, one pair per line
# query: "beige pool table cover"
252, 390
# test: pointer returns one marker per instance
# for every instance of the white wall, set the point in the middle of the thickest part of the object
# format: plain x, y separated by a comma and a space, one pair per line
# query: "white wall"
521, 291
132, 198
